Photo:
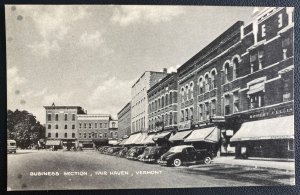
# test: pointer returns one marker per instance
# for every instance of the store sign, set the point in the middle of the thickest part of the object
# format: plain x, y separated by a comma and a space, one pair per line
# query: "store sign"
185, 125
271, 112
217, 119
229, 132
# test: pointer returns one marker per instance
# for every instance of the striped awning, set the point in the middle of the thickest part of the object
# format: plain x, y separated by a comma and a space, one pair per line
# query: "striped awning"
180, 135
210, 134
161, 135
148, 139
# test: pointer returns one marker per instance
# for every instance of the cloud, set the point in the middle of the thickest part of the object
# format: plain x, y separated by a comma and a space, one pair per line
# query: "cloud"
65, 98
91, 39
110, 96
126, 15
14, 79
44, 48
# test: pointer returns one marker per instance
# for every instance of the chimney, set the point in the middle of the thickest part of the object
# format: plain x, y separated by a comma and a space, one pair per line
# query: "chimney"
165, 70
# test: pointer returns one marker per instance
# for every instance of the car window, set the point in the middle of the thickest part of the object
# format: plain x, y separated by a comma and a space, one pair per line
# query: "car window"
190, 150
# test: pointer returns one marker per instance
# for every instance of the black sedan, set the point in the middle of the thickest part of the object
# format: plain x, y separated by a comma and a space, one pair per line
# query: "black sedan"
153, 155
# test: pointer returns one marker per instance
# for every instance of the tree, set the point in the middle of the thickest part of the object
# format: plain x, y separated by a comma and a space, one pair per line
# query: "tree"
23, 127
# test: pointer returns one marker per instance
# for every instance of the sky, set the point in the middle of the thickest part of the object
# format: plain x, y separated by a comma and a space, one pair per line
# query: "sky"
90, 56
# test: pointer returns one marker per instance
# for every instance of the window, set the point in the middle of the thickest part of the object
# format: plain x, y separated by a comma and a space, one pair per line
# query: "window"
207, 111
56, 126
191, 90
66, 135
79, 135
263, 30
49, 117
100, 124
167, 100
113, 125
187, 92
227, 104
279, 20
213, 107
186, 114
100, 135
206, 83
105, 134
95, 135
49, 126
291, 145
200, 85
105, 125
159, 105
175, 118
182, 94
163, 101
256, 58
49, 134
73, 117
111, 134
80, 126
66, 117
73, 126
90, 135
191, 113
257, 100
226, 72
171, 98
56, 135
182, 116
236, 68
236, 102
84, 125
96, 126
201, 112
213, 80
56, 117
90, 125
171, 119
287, 47
84, 135
287, 88
66, 126
73, 135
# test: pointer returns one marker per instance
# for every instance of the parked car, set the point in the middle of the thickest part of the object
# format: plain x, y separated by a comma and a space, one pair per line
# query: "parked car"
145, 153
113, 150
154, 154
11, 146
123, 152
134, 152
185, 154
103, 149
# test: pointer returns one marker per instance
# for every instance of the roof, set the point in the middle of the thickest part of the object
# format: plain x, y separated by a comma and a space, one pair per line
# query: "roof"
63, 107
169, 75
144, 74
127, 106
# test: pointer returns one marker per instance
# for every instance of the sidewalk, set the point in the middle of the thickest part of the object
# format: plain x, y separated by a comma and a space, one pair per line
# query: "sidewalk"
256, 163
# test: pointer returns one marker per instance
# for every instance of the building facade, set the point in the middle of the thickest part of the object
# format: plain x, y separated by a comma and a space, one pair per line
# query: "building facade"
162, 107
139, 99
93, 129
113, 129
124, 121
61, 123
239, 77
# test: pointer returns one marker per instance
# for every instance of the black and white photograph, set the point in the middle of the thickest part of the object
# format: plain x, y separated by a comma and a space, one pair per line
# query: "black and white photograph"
149, 96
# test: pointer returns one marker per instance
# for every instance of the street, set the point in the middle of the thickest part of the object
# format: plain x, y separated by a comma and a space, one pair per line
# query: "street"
54, 170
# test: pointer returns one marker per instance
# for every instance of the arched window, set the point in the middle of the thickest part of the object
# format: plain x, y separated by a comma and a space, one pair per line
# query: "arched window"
49, 126
163, 101
56, 126
167, 99
213, 80
66, 135
191, 113
170, 118
187, 92
49, 134
201, 86
226, 72
206, 83
200, 112
56, 135
191, 89
182, 115
170, 98
236, 68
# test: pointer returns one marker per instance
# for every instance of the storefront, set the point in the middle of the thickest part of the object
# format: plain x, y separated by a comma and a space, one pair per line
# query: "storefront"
162, 138
149, 140
178, 137
268, 138
140, 139
54, 144
132, 139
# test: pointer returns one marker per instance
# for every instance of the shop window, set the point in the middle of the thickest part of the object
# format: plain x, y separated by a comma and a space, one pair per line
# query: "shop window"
73, 126
227, 105
257, 100
213, 80
56, 126
73, 117
56, 135
213, 107
49, 134
291, 145
201, 88
287, 88
201, 112
49, 117
56, 117
73, 135
49, 126
66, 126
236, 102
206, 83
66, 117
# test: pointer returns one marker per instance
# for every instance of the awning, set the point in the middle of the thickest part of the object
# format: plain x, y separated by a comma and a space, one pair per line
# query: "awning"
275, 128
132, 139
53, 142
180, 135
148, 139
161, 135
209, 134
256, 88
140, 139
123, 141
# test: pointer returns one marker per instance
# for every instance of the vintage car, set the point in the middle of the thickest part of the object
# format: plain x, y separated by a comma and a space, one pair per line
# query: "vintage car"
11, 146
145, 153
154, 154
122, 152
185, 154
134, 152
103, 149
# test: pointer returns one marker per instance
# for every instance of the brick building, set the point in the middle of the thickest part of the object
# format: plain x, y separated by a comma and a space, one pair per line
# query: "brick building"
93, 129
124, 121
113, 129
245, 74
61, 124
139, 99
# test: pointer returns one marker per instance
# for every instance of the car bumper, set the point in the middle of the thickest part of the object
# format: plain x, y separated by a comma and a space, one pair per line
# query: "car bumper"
147, 160
162, 162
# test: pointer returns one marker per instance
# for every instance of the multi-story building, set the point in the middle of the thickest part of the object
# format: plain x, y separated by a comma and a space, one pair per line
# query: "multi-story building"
244, 75
162, 108
61, 123
139, 99
124, 121
93, 129
113, 128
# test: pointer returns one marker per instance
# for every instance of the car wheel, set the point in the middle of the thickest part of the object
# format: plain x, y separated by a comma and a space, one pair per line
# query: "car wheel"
207, 160
177, 162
